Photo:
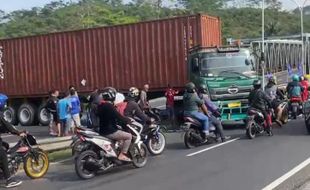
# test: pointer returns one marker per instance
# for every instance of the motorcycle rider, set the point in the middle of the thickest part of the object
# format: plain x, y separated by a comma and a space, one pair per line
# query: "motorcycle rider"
108, 119
294, 88
275, 95
192, 103
213, 113
6, 127
133, 109
259, 100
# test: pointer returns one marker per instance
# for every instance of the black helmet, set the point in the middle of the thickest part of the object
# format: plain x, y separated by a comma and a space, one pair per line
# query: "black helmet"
257, 84
272, 79
203, 89
109, 94
190, 87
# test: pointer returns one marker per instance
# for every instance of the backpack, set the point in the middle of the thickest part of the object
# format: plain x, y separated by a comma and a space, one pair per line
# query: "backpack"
295, 91
120, 107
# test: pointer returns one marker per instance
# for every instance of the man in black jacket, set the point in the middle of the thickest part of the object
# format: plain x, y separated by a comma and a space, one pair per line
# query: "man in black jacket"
133, 109
109, 117
259, 100
6, 127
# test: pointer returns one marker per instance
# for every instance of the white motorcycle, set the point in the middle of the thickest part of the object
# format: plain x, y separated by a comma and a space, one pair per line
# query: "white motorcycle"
96, 153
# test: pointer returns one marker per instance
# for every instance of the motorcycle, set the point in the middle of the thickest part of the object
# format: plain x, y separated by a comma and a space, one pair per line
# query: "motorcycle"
194, 135
256, 123
34, 160
97, 153
152, 137
295, 106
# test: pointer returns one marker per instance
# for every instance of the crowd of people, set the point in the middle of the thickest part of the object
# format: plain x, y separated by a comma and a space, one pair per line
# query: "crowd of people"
64, 113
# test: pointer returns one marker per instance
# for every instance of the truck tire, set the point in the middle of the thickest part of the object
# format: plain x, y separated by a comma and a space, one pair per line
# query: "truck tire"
43, 116
10, 115
26, 114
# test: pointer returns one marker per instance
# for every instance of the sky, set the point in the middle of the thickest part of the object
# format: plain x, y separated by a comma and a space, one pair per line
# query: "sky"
11, 5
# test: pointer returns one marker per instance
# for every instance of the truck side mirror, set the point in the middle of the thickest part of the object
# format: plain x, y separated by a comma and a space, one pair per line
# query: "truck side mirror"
195, 65
247, 62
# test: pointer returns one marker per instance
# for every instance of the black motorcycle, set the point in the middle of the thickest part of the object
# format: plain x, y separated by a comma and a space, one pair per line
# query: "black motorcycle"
34, 160
256, 123
194, 135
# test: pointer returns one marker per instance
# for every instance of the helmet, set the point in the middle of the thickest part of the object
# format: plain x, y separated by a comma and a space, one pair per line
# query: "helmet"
272, 79
257, 84
190, 87
133, 92
203, 89
109, 94
295, 78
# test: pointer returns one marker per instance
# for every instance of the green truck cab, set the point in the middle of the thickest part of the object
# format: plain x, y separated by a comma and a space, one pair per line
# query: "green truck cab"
228, 73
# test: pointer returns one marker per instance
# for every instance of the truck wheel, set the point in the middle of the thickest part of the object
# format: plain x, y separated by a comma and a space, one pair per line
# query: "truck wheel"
26, 114
43, 116
10, 115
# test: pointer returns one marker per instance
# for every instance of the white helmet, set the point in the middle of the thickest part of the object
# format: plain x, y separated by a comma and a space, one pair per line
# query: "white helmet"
133, 92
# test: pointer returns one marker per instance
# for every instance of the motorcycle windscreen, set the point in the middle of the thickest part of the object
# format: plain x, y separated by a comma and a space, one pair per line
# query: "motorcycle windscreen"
31, 139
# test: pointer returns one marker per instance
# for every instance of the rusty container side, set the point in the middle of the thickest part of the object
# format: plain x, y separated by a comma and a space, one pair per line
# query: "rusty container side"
122, 56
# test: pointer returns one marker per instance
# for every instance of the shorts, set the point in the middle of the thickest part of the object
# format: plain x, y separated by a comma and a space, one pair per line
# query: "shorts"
75, 121
55, 118
65, 125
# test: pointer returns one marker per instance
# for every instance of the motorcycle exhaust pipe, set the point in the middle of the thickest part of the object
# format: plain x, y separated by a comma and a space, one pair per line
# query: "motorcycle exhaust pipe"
92, 165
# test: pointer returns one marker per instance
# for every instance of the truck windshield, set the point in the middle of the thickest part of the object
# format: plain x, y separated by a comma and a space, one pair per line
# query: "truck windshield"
225, 64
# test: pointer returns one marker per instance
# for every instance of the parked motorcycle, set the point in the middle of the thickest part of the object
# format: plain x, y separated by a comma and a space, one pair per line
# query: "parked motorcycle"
194, 135
97, 153
34, 160
295, 106
256, 123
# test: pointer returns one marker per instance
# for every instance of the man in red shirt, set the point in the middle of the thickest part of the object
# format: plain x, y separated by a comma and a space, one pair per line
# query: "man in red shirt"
170, 93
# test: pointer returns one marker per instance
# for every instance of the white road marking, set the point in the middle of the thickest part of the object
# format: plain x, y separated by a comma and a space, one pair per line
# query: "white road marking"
61, 161
280, 180
212, 147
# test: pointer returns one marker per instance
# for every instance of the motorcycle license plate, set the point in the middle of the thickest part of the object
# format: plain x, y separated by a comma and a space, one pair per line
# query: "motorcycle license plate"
234, 104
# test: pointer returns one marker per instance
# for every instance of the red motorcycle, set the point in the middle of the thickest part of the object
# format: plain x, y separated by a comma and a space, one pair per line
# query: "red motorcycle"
295, 106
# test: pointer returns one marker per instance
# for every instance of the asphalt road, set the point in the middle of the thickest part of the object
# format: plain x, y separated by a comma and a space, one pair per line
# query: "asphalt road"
239, 165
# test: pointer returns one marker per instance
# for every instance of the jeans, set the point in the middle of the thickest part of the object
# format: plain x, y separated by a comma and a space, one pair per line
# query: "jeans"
201, 117
218, 126
4, 162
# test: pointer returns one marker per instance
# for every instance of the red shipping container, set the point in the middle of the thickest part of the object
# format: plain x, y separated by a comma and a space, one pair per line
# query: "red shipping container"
122, 56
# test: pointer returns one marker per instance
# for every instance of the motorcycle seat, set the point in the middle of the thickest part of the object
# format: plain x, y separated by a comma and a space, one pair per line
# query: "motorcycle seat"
192, 120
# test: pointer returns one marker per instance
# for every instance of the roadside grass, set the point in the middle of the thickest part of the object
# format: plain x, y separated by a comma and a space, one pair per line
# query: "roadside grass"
60, 155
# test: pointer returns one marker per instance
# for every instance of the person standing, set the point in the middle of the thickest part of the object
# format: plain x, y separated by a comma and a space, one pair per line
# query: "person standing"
51, 106
305, 84
75, 120
143, 102
64, 113
94, 101
170, 93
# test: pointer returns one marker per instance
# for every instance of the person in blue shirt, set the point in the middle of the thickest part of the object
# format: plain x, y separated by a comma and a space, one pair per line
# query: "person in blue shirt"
75, 110
64, 112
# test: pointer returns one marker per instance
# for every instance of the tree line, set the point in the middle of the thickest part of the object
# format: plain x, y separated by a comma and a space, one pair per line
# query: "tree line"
240, 18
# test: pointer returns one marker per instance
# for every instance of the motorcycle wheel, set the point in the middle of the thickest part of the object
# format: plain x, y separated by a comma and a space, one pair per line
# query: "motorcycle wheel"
80, 161
285, 116
139, 157
307, 122
36, 165
155, 145
189, 141
294, 111
251, 129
